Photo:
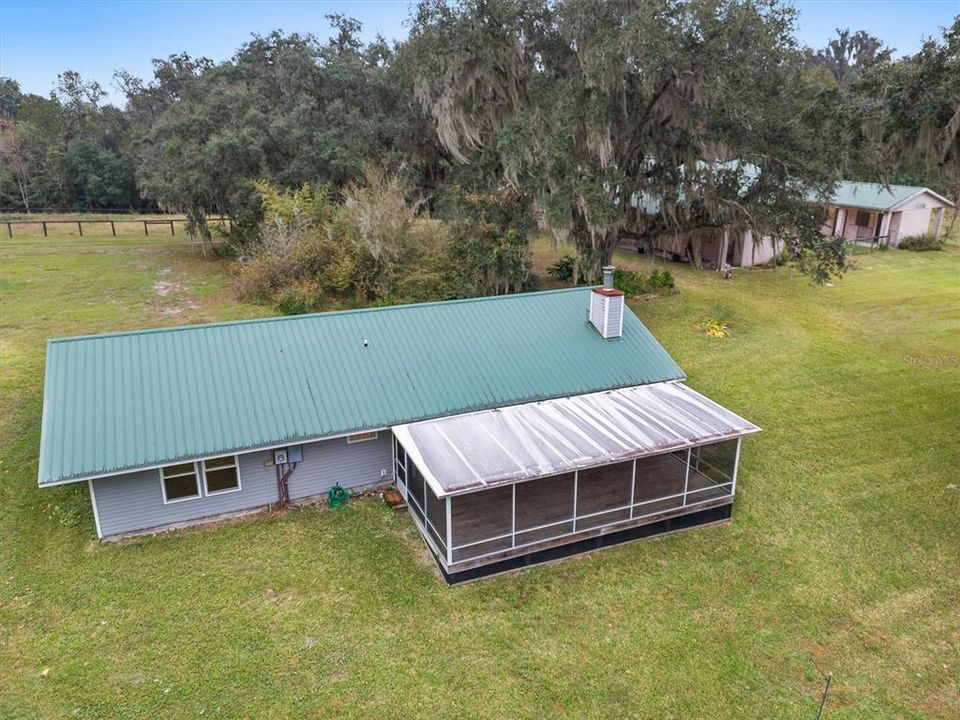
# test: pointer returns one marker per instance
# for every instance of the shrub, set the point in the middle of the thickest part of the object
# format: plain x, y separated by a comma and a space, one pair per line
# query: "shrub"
631, 282
313, 252
634, 283
293, 302
661, 280
325, 262
261, 277
921, 243
562, 269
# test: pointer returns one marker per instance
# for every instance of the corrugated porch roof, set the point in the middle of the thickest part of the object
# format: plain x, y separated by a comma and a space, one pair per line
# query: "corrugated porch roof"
484, 449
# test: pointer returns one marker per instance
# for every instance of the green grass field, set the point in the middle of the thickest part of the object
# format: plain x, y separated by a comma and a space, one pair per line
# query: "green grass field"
843, 556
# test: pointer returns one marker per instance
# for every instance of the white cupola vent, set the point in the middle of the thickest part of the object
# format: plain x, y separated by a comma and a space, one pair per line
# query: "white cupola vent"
606, 307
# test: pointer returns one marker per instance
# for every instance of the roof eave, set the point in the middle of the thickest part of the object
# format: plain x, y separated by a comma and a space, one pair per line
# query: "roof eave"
924, 191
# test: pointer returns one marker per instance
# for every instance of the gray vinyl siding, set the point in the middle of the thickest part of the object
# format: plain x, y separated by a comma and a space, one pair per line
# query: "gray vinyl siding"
356, 466
133, 502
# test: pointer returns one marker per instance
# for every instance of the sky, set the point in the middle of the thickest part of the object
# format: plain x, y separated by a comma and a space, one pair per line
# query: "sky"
41, 38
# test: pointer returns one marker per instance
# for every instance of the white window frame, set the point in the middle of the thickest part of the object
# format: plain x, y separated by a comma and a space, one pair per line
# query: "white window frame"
163, 485
365, 436
236, 466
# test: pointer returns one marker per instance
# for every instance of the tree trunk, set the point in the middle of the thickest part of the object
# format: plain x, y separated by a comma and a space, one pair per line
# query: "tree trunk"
594, 247
197, 222
694, 246
722, 257
23, 195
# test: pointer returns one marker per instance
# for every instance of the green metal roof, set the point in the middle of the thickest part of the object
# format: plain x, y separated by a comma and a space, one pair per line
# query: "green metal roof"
874, 196
133, 400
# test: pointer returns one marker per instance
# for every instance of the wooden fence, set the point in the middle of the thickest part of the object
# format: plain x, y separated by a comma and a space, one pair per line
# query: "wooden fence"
168, 222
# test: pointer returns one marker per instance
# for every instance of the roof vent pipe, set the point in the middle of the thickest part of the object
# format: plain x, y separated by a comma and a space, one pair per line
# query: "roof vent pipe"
607, 277
606, 307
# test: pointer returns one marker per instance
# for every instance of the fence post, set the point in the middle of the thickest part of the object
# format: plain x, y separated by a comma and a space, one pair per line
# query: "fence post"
171, 228
44, 223
80, 227
9, 229
113, 228
145, 231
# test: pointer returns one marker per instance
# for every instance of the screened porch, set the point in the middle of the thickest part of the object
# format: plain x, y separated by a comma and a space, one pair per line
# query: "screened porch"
490, 486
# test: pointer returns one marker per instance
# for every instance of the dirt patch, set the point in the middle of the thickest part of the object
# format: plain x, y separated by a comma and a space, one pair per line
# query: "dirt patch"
173, 310
164, 287
171, 292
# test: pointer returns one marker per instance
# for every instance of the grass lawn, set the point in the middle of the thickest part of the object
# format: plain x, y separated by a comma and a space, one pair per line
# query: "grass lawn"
843, 556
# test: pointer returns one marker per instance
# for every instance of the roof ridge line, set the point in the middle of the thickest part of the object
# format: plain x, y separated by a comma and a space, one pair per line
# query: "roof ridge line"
324, 313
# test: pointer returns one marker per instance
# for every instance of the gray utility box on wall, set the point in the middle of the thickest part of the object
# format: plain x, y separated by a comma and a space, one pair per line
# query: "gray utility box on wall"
288, 455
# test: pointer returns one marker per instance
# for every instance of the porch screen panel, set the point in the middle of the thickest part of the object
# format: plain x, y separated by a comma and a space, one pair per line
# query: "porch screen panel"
479, 519
660, 476
437, 518
711, 471
416, 487
603, 490
400, 470
547, 501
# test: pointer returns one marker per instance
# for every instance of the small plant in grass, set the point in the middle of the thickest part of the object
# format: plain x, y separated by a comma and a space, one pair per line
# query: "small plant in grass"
921, 243
72, 507
718, 324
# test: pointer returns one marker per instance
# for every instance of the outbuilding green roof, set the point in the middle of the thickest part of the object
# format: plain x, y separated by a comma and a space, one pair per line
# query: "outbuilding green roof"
874, 196
125, 401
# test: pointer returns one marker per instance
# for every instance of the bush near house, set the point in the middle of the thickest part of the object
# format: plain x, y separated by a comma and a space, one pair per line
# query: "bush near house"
921, 243
316, 250
369, 245
630, 282
563, 269
634, 282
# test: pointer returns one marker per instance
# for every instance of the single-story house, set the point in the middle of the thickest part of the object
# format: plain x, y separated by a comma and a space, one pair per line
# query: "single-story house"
865, 212
858, 211
518, 428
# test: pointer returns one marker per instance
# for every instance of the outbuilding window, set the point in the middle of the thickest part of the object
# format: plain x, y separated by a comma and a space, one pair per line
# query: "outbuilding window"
863, 218
220, 475
179, 482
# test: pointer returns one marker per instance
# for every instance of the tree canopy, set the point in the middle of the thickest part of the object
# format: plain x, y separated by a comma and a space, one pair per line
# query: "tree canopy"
591, 106
580, 115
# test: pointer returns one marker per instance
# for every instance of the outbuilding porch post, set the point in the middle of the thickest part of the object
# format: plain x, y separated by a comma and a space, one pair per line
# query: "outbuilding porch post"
841, 221
885, 227
938, 213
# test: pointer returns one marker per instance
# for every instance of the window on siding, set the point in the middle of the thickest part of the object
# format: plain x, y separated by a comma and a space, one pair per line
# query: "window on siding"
362, 437
220, 474
863, 218
179, 482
